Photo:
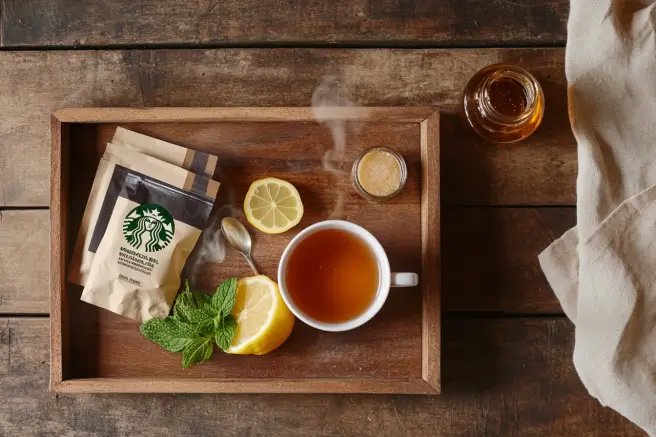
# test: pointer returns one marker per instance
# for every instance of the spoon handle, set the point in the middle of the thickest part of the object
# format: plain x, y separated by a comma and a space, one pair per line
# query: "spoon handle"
250, 262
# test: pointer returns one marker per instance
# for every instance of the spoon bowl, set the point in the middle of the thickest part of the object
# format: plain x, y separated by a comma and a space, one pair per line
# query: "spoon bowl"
238, 237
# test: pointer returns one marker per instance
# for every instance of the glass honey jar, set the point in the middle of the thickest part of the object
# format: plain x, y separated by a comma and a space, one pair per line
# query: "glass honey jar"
503, 103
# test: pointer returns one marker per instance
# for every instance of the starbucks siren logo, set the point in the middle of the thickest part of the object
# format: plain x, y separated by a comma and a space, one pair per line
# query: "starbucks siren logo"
148, 227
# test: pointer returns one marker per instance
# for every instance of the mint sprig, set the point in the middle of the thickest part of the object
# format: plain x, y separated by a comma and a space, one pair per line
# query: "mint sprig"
197, 322
170, 333
224, 297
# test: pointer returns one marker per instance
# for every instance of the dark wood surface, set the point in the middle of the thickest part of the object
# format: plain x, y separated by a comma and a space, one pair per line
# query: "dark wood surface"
507, 348
297, 22
539, 171
502, 377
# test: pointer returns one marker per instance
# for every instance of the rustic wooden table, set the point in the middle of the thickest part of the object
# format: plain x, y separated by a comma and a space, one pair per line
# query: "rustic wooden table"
507, 347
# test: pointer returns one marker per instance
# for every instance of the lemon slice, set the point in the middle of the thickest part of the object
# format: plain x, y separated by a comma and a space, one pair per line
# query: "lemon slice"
263, 320
273, 205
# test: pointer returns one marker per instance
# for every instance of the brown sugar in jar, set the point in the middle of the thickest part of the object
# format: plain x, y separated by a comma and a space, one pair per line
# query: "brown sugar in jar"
379, 173
503, 103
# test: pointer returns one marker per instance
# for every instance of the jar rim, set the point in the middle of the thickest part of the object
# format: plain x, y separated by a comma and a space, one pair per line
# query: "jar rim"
530, 88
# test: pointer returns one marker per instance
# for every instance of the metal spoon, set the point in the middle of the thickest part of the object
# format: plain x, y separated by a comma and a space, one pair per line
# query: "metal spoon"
238, 237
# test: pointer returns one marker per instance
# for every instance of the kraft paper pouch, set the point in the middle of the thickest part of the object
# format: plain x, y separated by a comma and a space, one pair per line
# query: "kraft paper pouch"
153, 227
160, 157
189, 159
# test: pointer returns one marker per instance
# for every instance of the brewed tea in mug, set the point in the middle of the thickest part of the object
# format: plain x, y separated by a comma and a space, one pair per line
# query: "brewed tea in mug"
332, 276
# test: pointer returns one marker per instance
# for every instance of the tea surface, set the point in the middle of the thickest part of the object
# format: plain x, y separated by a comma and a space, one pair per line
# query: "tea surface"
332, 276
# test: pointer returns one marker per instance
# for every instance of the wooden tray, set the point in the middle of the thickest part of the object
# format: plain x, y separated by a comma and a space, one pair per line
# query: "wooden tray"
94, 350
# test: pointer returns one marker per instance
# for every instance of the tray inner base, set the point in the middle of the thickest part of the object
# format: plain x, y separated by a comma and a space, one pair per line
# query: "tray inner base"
316, 160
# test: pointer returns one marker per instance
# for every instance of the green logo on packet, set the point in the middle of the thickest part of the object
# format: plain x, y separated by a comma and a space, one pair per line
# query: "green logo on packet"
148, 227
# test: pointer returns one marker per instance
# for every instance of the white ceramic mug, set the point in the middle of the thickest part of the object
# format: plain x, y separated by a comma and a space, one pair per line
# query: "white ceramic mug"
386, 278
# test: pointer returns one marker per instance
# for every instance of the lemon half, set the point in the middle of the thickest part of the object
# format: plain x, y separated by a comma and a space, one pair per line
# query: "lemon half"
273, 206
263, 320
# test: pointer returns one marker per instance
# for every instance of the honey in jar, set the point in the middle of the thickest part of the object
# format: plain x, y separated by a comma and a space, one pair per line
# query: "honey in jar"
503, 103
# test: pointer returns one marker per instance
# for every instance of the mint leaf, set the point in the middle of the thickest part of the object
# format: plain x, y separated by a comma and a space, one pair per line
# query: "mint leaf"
184, 299
207, 327
225, 333
224, 297
185, 296
196, 297
197, 315
202, 299
177, 311
197, 351
170, 333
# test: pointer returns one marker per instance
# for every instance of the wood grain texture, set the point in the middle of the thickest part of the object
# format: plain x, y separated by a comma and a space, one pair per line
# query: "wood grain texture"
379, 22
24, 262
105, 345
34, 85
431, 265
241, 115
511, 378
541, 170
60, 175
413, 386
489, 258
501, 244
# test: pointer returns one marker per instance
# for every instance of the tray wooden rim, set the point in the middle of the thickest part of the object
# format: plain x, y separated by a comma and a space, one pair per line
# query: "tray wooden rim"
429, 383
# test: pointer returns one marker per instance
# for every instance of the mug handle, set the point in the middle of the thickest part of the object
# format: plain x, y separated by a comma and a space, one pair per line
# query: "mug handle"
403, 279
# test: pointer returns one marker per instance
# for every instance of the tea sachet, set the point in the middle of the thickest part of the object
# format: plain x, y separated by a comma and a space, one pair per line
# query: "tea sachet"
149, 227
127, 149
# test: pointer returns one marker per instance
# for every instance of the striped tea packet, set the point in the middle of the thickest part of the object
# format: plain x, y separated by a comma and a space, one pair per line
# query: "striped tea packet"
124, 150
149, 226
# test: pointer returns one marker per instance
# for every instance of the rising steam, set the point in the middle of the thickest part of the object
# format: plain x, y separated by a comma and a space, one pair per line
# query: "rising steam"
329, 96
211, 247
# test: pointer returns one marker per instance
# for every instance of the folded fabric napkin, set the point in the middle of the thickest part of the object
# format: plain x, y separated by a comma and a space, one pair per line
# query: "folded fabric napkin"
603, 271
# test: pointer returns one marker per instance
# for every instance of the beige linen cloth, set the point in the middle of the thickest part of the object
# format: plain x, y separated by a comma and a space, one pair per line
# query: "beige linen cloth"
604, 270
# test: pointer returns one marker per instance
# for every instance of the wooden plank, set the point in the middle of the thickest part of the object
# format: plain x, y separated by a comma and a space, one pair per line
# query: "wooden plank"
28, 94
24, 261
250, 114
541, 170
60, 169
431, 282
119, 22
5, 340
506, 378
415, 386
489, 259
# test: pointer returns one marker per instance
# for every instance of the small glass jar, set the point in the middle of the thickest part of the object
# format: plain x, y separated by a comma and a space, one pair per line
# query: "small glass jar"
503, 103
379, 174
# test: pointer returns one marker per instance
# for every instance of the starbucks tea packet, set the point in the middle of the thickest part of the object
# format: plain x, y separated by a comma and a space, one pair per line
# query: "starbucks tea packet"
151, 228
144, 154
